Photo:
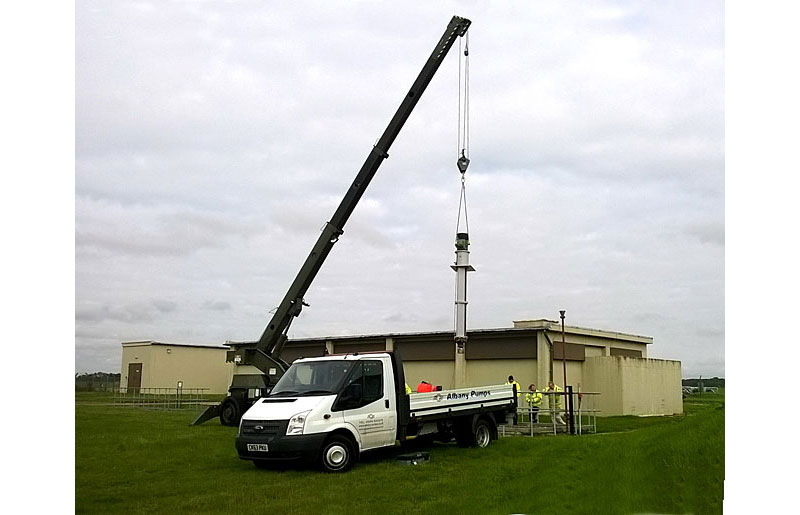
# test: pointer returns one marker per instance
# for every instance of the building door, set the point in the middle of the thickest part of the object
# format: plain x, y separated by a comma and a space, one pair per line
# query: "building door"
134, 376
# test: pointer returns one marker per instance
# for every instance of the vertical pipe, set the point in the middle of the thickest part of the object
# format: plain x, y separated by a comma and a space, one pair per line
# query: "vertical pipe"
461, 267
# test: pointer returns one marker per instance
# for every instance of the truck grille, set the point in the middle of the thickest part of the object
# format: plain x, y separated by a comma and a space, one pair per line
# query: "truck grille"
268, 428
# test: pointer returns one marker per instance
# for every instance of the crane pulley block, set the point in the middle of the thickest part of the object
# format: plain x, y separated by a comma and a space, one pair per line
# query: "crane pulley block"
462, 163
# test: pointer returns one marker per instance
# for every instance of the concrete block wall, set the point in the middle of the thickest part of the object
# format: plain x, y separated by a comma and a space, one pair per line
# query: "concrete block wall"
634, 386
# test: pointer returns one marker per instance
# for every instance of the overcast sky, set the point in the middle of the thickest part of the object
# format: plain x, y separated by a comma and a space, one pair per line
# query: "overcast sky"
213, 140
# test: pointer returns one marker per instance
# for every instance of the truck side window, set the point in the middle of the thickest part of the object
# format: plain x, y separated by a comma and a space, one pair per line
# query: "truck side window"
373, 381
368, 375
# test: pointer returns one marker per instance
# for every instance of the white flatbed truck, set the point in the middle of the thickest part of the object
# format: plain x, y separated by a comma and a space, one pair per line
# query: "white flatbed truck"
330, 409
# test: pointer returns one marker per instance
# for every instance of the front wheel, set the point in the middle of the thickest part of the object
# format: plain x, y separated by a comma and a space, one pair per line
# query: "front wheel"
230, 412
337, 454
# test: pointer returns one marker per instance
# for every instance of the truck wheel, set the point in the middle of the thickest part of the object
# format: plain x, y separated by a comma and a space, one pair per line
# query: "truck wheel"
483, 433
481, 436
230, 412
337, 454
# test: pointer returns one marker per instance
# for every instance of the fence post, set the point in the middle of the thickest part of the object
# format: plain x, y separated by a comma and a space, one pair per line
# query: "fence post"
571, 413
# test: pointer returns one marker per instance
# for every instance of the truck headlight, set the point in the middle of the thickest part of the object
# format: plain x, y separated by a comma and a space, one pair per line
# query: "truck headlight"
297, 423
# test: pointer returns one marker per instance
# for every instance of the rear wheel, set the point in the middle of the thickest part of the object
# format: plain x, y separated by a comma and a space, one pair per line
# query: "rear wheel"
230, 412
483, 433
478, 436
337, 454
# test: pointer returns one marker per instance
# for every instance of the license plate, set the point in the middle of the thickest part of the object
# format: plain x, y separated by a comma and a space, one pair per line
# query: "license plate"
261, 447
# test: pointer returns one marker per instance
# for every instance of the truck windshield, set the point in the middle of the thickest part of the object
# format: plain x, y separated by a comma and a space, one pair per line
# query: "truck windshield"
312, 378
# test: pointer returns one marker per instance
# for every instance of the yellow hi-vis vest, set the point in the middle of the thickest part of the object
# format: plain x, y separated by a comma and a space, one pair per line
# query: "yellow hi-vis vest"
555, 398
518, 388
534, 398
408, 389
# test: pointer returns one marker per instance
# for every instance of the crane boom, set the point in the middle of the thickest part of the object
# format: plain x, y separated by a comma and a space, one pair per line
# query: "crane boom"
265, 353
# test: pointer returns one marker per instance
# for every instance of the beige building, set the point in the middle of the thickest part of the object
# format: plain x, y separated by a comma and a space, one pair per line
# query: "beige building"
613, 364
149, 364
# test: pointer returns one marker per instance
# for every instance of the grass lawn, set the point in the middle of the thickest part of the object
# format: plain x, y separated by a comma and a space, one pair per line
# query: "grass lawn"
137, 460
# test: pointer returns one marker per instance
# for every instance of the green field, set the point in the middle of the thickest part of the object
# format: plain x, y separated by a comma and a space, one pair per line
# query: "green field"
138, 460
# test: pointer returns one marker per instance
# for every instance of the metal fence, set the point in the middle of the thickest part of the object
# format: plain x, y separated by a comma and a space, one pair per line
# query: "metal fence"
577, 415
162, 398
96, 386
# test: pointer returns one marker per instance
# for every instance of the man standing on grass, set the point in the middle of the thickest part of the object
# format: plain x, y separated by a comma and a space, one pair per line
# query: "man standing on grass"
555, 403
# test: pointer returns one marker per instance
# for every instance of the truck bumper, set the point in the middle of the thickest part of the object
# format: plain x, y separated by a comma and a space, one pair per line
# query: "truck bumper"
295, 447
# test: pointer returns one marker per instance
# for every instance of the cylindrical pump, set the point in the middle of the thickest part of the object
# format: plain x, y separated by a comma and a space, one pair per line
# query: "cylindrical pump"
461, 268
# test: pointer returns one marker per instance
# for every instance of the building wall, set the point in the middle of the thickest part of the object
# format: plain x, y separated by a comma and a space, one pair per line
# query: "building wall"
603, 375
634, 386
196, 367
164, 365
435, 372
597, 361
593, 352
135, 353
574, 373
651, 386
496, 371
490, 371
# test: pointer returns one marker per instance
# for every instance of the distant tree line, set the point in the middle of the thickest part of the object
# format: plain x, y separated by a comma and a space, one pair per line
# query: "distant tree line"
96, 382
718, 382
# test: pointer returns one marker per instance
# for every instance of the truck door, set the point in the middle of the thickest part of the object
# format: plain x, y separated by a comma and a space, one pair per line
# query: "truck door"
367, 404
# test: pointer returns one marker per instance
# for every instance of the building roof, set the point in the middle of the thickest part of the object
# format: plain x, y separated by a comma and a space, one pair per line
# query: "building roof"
143, 343
390, 335
520, 326
554, 325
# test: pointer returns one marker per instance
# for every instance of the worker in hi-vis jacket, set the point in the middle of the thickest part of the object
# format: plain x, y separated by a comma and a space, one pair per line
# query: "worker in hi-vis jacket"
555, 403
512, 382
534, 399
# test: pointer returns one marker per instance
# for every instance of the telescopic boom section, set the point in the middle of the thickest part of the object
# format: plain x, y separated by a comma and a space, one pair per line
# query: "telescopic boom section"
273, 339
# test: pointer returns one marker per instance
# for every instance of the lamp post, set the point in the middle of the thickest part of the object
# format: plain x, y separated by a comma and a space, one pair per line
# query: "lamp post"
567, 389
563, 349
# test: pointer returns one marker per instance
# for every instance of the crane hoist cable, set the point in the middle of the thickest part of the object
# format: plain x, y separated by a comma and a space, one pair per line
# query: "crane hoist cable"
462, 161
461, 265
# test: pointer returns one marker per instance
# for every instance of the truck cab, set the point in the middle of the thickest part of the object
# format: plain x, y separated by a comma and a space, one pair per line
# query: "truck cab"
351, 399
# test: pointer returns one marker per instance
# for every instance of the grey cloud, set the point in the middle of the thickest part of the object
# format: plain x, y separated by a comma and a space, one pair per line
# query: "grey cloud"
217, 305
708, 232
649, 317
400, 317
710, 332
165, 306
129, 314
142, 230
